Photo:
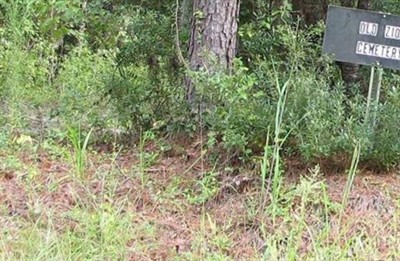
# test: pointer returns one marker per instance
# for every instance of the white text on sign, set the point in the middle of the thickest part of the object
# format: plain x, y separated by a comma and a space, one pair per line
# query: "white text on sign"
367, 28
378, 50
392, 32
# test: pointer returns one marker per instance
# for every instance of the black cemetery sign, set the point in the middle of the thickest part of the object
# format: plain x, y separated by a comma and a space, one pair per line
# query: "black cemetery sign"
363, 37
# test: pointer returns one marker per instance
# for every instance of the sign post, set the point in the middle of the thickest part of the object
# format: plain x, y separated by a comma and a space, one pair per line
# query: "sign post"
373, 95
367, 38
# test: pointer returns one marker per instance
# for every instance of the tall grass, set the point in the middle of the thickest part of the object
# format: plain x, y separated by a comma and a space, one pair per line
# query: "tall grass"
276, 171
79, 144
145, 158
350, 179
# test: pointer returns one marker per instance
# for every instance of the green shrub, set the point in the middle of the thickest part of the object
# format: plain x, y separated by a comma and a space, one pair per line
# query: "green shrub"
81, 84
236, 110
148, 86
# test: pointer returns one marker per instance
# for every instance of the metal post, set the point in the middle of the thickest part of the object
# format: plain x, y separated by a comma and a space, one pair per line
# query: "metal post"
373, 97
377, 93
371, 85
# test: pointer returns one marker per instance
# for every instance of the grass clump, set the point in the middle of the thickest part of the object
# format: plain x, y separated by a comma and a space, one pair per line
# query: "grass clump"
96, 234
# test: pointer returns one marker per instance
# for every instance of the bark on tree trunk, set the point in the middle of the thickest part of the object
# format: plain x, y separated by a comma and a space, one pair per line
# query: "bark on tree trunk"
186, 12
214, 29
350, 71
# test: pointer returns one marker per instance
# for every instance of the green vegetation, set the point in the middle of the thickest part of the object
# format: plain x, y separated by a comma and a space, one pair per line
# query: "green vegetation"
102, 157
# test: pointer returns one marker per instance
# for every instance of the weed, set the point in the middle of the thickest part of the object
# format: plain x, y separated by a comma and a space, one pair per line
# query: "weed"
210, 243
146, 159
350, 178
265, 165
79, 146
206, 188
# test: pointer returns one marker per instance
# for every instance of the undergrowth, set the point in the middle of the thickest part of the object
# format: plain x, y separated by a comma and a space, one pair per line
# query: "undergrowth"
91, 97
106, 88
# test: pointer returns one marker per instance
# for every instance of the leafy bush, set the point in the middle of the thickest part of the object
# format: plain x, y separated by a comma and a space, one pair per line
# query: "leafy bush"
81, 84
147, 88
239, 113
65, 64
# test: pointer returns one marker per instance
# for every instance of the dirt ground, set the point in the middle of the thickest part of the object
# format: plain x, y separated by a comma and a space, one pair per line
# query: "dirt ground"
43, 182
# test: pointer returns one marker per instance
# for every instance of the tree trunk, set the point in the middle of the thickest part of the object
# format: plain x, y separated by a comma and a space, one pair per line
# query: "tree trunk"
213, 34
186, 12
312, 11
350, 71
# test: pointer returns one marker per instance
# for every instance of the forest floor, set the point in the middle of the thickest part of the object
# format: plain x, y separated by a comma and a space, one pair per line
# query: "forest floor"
146, 204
